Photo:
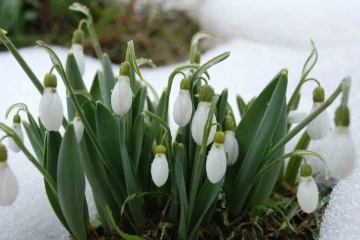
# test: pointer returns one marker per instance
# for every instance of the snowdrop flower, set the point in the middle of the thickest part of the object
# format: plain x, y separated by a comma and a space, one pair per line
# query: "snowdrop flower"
231, 145
308, 193
78, 50
296, 116
340, 152
17, 129
216, 160
160, 167
51, 108
9, 186
320, 126
121, 96
78, 127
201, 115
183, 105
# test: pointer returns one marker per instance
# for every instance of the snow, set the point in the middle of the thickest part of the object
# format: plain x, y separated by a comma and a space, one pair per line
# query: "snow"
258, 52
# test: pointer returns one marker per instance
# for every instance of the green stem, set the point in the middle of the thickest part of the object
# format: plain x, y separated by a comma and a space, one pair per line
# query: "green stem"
93, 37
304, 123
31, 158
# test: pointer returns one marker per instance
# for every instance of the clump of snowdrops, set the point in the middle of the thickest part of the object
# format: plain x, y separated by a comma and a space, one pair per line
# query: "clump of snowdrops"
117, 135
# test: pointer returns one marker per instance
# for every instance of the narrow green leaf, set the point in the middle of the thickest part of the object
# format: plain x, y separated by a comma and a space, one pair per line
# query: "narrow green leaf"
95, 90
181, 185
139, 102
221, 106
264, 132
52, 147
132, 59
71, 184
34, 143
135, 206
145, 61
137, 140
241, 105
107, 80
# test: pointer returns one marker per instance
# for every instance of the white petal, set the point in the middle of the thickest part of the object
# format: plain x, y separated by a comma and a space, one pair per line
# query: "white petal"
182, 108
11, 143
198, 123
9, 186
320, 126
296, 116
216, 163
78, 51
51, 110
160, 170
340, 154
121, 96
308, 194
79, 128
232, 147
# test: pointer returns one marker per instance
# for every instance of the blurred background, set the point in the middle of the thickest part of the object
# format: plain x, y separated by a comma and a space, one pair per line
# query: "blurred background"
161, 30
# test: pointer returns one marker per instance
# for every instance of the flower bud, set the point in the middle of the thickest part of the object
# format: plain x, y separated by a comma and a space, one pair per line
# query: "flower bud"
308, 193
12, 145
160, 167
183, 105
121, 96
50, 107
9, 187
78, 50
319, 127
216, 160
79, 128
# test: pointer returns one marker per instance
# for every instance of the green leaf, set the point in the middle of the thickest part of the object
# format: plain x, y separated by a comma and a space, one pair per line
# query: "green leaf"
51, 154
71, 184
107, 134
135, 206
241, 105
131, 51
75, 80
33, 141
254, 134
180, 181
95, 90
139, 102
137, 140
221, 106
208, 193
107, 80
121, 233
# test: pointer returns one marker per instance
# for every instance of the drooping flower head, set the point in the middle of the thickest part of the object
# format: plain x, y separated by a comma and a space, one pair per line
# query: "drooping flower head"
160, 167
9, 186
51, 108
216, 160
12, 145
201, 114
78, 50
78, 127
308, 193
320, 126
231, 145
121, 96
340, 152
183, 105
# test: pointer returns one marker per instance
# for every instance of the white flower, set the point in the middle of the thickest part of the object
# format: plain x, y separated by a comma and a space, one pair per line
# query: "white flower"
121, 96
198, 123
78, 51
79, 128
296, 116
10, 142
182, 108
216, 163
9, 187
307, 194
340, 153
51, 109
159, 169
320, 126
231, 147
